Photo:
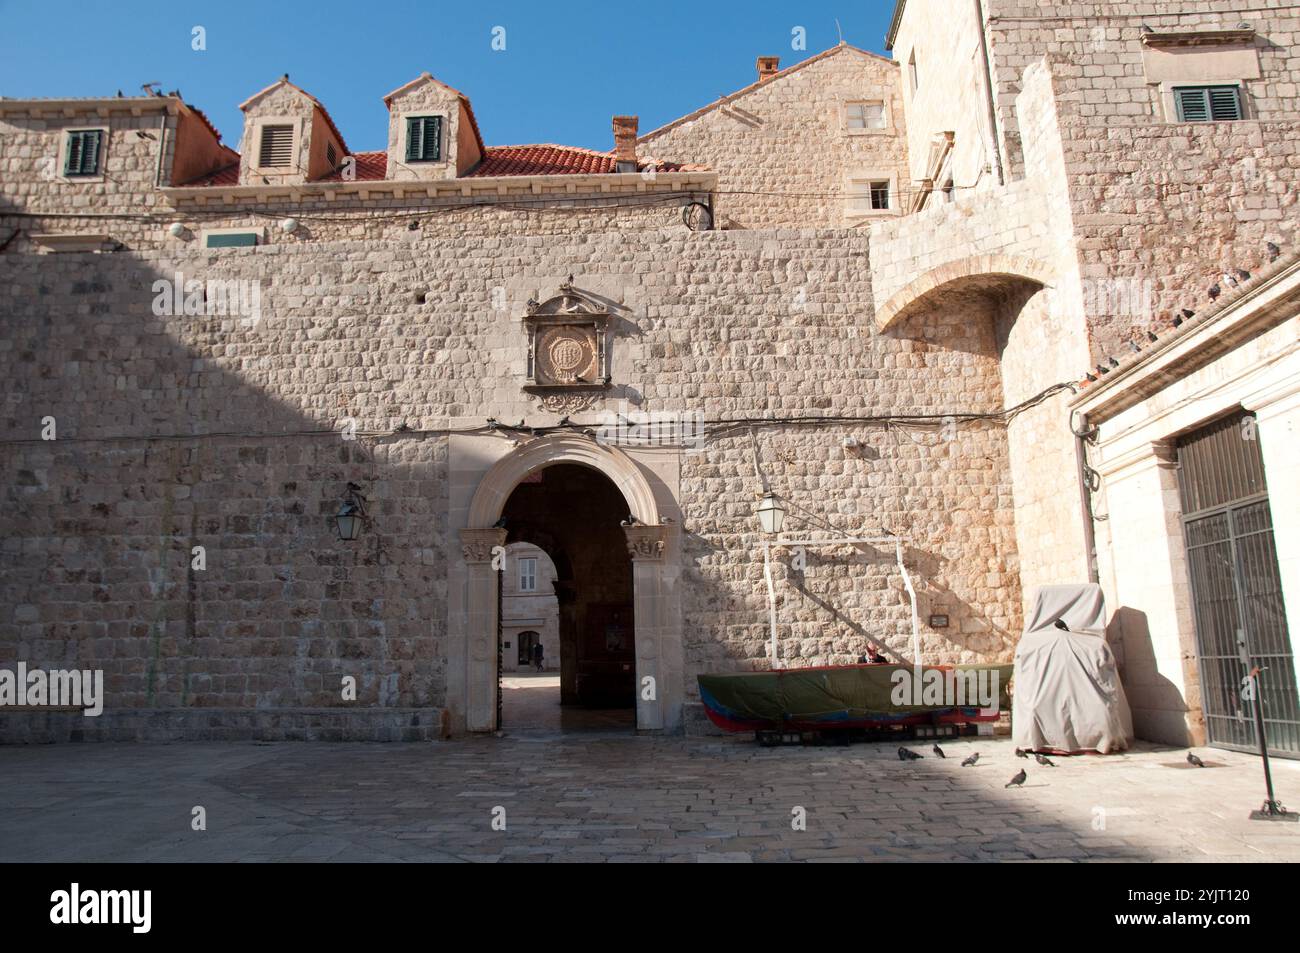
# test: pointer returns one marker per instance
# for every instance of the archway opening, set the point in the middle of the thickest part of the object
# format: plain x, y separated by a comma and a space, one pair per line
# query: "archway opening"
570, 517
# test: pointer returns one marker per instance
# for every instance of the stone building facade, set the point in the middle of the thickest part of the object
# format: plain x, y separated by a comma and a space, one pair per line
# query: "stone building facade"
612, 356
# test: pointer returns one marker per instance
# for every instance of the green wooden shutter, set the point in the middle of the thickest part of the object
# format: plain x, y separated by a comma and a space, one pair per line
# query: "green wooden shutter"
83, 152
1225, 103
414, 128
1193, 104
423, 139
1208, 103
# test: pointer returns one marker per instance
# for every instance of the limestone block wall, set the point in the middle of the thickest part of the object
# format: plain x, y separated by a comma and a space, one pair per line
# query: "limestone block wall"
1167, 205
781, 148
228, 432
31, 170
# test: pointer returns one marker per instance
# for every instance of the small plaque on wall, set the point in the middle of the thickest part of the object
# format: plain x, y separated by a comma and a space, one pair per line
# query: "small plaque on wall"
938, 621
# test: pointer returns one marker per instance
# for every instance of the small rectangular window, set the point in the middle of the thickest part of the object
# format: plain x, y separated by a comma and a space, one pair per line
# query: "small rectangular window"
869, 195
913, 74
528, 575
276, 150
1208, 103
230, 240
331, 155
423, 138
83, 152
865, 116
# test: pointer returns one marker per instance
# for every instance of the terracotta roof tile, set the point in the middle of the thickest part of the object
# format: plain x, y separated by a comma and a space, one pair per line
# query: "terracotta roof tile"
228, 175
371, 167
542, 159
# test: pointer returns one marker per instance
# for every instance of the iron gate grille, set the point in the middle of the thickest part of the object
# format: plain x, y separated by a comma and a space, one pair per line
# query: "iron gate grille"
1236, 586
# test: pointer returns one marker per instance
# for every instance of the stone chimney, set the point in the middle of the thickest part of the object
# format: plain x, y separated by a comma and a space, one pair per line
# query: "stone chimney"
625, 128
767, 67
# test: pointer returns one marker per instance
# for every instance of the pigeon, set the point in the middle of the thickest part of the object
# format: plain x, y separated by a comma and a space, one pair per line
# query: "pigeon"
1018, 780
1215, 291
938, 751
1112, 361
1241, 274
970, 762
1135, 347
1044, 761
1188, 313
1273, 251
913, 755
1193, 760
1151, 336
902, 754
1229, 279
1177, 320
1022, 753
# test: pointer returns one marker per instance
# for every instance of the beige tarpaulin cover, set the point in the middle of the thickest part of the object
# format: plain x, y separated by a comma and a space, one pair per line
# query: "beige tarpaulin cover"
1067, 695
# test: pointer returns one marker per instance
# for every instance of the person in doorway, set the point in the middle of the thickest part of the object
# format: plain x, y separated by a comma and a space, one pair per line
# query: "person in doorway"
538, 653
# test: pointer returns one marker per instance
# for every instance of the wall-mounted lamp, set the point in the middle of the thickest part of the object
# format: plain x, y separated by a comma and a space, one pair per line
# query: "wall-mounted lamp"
352, 514
288, 225
177, 230
771, 514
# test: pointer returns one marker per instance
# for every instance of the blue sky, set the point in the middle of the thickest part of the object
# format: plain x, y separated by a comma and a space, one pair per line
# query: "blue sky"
566, 69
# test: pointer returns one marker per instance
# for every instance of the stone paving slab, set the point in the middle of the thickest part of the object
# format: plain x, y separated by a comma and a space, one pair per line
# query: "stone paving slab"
602, 797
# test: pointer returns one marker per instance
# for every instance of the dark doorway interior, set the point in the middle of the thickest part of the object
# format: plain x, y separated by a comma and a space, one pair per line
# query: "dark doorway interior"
575, 513
1236, 586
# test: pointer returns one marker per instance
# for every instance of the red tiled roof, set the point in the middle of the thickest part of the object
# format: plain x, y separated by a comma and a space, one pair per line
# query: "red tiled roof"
543, 159
229, 175
371, 167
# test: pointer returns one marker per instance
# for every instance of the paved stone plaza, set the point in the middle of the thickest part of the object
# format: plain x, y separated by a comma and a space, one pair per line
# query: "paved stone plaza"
600, 796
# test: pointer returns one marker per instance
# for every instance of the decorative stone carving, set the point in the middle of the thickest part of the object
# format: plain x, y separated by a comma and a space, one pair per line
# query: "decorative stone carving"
568, 353
477, 544
646, 542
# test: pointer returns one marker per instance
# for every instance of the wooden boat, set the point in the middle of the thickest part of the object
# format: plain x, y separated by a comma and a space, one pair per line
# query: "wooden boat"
855, 696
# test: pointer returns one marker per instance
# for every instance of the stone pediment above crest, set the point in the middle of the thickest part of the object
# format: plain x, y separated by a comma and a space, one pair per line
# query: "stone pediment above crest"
569, 303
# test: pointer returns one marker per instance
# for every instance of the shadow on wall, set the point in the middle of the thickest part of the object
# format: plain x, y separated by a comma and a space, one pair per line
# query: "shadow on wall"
273, 611
1160, 713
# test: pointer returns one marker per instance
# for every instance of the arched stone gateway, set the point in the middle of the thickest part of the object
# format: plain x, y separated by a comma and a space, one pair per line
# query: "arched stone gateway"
657, 636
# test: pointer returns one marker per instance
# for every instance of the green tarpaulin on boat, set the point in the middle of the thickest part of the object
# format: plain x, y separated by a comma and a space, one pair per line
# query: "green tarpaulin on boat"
851, 693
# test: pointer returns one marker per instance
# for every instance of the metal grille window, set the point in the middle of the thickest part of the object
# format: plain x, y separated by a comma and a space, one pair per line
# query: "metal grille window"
1208, 103
276, 147
423, 138
1236, 586
83, 152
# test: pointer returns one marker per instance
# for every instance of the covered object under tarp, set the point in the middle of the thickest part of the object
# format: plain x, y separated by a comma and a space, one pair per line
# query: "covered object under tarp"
1067, 696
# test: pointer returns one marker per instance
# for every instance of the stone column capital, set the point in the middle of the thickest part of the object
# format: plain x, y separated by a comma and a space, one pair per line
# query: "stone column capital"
646, 542
477, 544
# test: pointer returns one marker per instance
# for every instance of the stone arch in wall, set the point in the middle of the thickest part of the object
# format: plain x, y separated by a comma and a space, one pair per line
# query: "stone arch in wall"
647, 541
977, 275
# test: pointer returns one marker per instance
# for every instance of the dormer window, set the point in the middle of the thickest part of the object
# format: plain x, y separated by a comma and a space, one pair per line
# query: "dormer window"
423, 138
276, 148
83, 151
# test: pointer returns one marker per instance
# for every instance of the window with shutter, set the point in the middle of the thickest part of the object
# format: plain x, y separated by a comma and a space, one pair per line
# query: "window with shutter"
83, 152
1208, 103
276, 150
423, 138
